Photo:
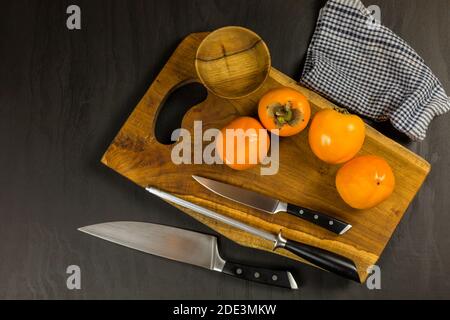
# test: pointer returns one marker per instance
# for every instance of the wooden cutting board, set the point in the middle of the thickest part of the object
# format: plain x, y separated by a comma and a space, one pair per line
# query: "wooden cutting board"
302, 179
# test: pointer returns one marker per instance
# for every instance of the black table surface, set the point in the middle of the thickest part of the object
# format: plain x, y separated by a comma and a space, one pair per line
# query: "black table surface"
65, 94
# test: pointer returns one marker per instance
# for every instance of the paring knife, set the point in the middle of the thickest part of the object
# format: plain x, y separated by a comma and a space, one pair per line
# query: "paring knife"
273, 206
324, 259
184, 246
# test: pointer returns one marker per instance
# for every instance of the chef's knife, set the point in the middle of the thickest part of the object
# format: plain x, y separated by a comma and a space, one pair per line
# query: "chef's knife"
185, 246
273, 206
324, 259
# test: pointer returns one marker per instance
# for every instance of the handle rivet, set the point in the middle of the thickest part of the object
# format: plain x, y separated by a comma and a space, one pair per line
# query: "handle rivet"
239, 271
316, 216
274, 277
331, 223
256, 275
302, 212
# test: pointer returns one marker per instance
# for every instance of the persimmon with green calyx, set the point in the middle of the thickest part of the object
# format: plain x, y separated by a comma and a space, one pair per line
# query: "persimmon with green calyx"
365, 182
284, 109
336, 136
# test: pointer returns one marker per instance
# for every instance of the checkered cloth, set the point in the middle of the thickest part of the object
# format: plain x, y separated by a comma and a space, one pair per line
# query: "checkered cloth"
362, 65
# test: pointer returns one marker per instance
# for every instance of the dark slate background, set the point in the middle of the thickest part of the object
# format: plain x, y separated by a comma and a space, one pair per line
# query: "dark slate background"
64, 95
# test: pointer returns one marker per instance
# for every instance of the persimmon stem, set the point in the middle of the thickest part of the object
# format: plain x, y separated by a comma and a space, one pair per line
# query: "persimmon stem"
283, 114
341, 110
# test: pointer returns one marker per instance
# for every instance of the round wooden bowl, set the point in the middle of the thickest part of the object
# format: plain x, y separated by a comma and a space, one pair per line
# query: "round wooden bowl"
232, 62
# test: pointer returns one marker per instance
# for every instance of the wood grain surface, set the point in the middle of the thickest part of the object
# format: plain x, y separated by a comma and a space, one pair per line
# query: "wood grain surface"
301, 179
65, 94
232, 62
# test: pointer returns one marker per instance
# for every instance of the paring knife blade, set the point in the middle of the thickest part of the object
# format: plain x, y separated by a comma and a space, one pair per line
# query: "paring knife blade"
273, 206
184, 246
324, 259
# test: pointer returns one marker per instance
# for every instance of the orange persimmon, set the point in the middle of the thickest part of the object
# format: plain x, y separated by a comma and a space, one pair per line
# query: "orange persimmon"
284, 109
365, 182
247, 147
336, 137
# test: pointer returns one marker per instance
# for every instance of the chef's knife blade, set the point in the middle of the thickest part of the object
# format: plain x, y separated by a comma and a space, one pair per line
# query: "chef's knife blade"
184, 246
273, 206
324, 259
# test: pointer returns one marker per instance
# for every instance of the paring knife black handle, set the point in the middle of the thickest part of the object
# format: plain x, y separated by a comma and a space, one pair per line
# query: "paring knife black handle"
278, 278
332, 224
324, 259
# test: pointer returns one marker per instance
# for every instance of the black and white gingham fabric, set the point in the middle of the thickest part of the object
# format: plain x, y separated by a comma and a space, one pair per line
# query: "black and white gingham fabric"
365, 67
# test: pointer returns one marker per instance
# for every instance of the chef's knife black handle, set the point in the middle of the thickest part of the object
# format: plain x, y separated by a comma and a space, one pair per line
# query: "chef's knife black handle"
324, 259
277, 278
331, 224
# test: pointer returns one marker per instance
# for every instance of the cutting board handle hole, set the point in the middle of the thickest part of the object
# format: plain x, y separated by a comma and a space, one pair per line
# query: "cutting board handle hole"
174, 108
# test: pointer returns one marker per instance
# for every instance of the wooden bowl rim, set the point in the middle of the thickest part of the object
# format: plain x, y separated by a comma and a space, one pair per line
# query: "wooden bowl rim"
267, 71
